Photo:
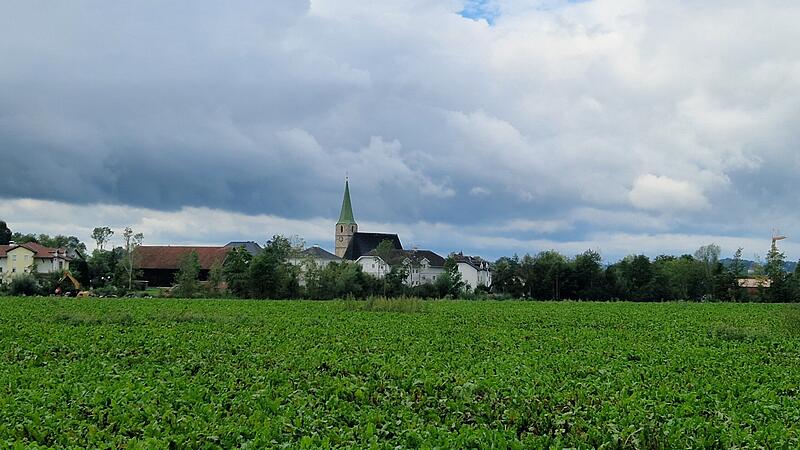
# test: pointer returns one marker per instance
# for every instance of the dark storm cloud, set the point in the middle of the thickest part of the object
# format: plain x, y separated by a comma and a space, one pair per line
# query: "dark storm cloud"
557, 123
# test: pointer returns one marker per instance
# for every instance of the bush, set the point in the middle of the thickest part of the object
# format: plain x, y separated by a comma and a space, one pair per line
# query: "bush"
25, 284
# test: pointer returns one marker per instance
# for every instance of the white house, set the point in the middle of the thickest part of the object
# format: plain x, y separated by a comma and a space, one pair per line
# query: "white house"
474, 270
424, 266
31, 257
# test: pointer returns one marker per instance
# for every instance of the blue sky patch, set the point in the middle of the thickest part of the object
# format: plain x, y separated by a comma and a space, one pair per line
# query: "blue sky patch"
481, 9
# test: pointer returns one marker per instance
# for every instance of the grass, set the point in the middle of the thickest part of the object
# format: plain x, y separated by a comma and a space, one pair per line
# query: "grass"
153, 373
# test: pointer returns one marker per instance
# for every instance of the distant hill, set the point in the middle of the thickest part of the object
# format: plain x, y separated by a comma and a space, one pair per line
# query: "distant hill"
788, 266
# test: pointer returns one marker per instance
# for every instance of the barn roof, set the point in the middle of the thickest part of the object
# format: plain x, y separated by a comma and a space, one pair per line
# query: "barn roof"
169, 257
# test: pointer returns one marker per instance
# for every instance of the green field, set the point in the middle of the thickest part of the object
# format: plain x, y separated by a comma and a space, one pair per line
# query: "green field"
203, 373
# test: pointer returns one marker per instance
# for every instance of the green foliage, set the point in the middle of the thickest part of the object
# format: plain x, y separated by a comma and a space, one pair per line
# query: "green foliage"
71, 243
5, 233
400, 304
449, 284
25, 284
101, 236
216, 277
271, 275
236, 271
186, 280
338, 280
164, 373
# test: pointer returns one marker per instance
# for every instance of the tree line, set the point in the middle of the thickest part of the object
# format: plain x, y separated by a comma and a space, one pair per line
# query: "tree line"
548, 275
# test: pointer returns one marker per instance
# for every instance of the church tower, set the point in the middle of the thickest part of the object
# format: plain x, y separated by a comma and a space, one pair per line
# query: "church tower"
347, 226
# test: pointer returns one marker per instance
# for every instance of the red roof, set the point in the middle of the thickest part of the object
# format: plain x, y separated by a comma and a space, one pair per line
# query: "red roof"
39, 250
169, 257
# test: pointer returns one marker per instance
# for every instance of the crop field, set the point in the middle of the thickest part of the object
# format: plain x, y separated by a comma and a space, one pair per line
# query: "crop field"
160, 373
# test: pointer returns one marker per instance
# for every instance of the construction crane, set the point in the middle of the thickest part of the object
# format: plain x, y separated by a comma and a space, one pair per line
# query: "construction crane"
776, 236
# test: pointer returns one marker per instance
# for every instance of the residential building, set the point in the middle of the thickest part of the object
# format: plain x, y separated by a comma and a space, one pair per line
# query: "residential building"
424, 266
31, 257
474, 270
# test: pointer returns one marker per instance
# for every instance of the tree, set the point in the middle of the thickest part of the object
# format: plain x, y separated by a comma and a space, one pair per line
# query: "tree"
588, 272
339, 280
505, 278
384, 250
236, 271
776, 272
186, 283
708, 255
215, 278
101, 235
549, 268
5, 233
271, 275
132, 241
449, 283
107, 268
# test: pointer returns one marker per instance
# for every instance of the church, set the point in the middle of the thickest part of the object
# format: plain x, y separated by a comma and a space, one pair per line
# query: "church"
424, 266
352, 244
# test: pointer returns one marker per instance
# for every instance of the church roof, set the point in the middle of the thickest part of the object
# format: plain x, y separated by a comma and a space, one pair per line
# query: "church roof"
346, 215
363, 243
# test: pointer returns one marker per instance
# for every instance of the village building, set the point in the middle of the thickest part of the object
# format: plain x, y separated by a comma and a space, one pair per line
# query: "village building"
474, 270
31, 257
159, 264
423, 266
349, 243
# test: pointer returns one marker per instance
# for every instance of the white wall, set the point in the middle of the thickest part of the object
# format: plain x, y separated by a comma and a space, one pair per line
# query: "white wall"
374, 266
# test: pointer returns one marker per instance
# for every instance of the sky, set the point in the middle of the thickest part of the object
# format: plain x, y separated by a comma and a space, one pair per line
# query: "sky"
488, 127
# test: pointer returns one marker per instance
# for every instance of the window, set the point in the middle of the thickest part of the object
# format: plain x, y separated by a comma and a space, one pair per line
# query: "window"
13, 269
341, 228
13, 257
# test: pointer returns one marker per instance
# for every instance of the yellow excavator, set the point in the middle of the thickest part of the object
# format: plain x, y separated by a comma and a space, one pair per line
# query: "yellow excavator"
75, 283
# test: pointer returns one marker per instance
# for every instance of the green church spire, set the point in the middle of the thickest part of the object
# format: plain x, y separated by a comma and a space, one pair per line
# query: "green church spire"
346, 216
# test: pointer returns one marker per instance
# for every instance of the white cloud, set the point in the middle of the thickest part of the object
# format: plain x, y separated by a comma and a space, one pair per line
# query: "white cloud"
661, 193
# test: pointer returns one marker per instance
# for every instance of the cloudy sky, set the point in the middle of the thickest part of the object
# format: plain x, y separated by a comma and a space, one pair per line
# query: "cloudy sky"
492, 127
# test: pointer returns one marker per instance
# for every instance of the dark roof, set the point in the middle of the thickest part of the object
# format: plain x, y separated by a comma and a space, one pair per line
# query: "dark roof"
39, 250
475, 261
363, 243
319, 253
251, 247
169, 257
415, 256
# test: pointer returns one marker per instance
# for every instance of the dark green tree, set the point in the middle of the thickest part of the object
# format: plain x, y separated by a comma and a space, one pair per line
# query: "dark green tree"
779, 290
236, 271
588, 275
186, 280
505, 277
449, 283
271, 273
5, 233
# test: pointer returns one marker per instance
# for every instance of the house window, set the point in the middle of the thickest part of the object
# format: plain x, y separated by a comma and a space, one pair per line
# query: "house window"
13, 269
13, 257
